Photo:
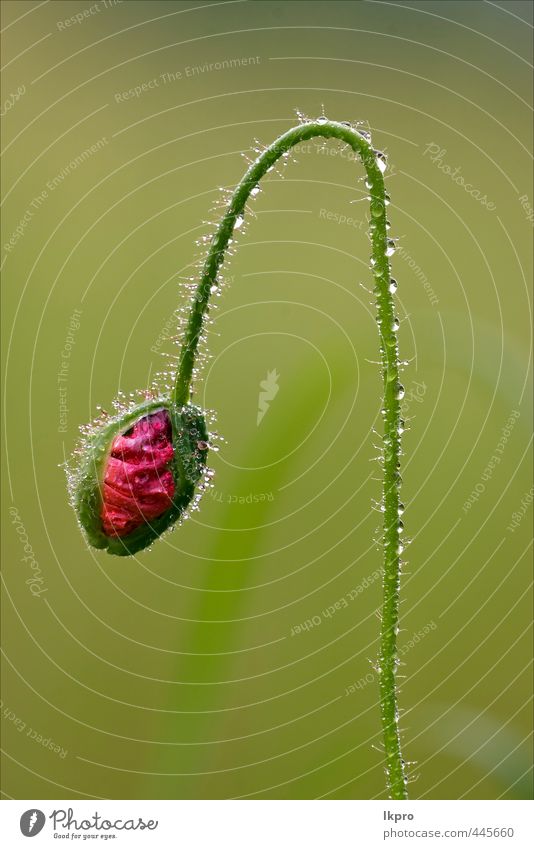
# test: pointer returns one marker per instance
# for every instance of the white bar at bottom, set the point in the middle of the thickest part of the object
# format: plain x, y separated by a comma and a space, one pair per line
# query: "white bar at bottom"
266, 824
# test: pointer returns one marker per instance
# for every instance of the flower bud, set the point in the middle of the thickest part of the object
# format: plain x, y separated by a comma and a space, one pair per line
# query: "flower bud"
137, 474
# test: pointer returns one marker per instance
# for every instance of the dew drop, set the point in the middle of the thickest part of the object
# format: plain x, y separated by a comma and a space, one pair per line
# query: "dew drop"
376, 209
393, 285
390, 250
399, 392
381, 162
395, 324
238, 222
255, 191
400, 509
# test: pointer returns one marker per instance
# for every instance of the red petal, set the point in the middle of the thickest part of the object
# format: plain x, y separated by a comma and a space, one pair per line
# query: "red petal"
138, 484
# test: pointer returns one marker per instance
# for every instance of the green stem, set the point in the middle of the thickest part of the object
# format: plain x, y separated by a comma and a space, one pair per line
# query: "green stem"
387, 662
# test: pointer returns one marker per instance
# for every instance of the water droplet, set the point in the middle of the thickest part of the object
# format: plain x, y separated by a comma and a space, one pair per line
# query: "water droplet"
399, 392
255, 191
390, 250
238, 222
376, 209
393, 285
395, 324
381, 162
400, 509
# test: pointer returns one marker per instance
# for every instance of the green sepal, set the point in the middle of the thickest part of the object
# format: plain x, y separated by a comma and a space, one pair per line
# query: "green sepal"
188, 465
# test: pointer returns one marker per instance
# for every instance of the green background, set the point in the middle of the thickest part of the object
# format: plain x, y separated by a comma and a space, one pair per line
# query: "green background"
179, 673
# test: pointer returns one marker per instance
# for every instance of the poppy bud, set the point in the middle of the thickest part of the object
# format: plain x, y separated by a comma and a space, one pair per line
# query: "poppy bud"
137, 474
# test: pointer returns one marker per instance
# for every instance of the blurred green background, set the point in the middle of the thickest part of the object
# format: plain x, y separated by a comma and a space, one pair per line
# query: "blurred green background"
189, 671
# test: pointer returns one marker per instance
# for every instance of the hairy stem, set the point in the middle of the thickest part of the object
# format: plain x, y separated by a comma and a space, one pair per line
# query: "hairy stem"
392, 390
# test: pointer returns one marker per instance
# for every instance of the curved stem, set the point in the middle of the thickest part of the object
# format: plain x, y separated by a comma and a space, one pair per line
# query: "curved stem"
392, 390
